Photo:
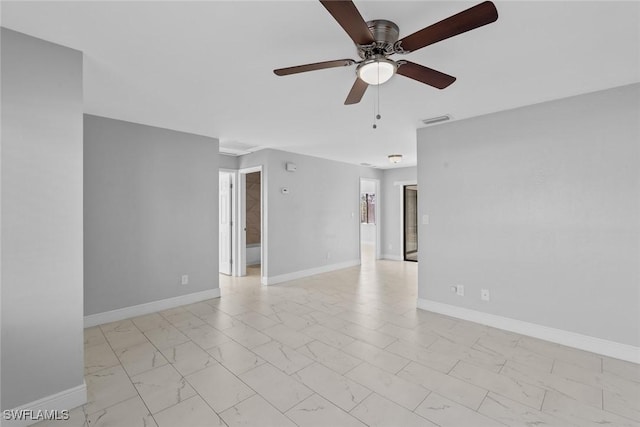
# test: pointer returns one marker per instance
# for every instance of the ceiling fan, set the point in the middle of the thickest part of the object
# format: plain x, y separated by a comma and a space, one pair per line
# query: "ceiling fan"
378, 39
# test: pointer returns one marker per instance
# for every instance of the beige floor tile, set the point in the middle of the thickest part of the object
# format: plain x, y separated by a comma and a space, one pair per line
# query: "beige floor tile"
574, 412
220, 320
318, 412
519, 391
291, 320
255, 320
512, 413
576, 390
166, 336
192, 412
626, 405
149, 321
328, 336
188, 358
376, 411
287, 336
255, 411
93, 336
200, 308
236, 358
329, 356
334, 387
130, 413
107, 387
336, 320
621, 368
99, 356
424, 356
447, 413
140, 358
219, 387
276, 387
460, 351
577, 357
206, 336
282, 357
394, 388
122, 334
453, 388
499, 349
162, 387
246, 336
375, 356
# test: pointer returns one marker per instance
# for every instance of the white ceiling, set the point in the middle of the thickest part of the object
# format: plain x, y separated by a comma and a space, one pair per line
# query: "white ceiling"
206, 67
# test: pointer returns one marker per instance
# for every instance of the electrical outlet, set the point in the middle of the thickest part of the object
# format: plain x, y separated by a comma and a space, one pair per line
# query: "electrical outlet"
460, 290
185, 279
484, 295
328, 255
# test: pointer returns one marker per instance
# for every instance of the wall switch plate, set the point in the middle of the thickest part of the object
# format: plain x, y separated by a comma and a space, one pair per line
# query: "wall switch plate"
484, 295
460, 290
425, 219
185, 279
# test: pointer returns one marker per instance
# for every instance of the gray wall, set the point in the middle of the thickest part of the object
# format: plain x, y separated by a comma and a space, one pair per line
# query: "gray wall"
541, 206
42, 336
227, 162
319, 216
151, 213
392, 211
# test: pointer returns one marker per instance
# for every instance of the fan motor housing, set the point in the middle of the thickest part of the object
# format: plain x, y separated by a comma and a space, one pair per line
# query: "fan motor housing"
385, 33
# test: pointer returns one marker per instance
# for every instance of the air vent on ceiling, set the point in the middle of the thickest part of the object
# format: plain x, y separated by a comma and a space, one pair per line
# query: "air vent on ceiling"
235, 148
434, 120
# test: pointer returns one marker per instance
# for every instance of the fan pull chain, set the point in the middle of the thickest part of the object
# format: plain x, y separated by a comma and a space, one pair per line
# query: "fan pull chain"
376, 103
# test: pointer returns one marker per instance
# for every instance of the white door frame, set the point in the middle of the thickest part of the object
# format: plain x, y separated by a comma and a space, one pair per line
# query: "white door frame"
234, 207
241, 251
378, 215
401, 185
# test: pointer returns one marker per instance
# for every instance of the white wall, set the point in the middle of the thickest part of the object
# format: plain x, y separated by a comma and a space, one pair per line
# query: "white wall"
392, 188
151, 214
42, 335
541, 205
319, 216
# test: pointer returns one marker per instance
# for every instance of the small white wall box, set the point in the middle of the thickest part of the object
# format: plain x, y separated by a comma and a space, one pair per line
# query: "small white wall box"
291, 167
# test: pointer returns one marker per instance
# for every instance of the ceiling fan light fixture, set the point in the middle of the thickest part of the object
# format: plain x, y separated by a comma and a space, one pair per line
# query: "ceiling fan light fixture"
395, 158
376, 71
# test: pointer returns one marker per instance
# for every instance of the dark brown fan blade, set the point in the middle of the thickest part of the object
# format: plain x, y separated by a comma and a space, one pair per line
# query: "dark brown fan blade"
314, 66
347, 15
425, 75
477, 16
357, 92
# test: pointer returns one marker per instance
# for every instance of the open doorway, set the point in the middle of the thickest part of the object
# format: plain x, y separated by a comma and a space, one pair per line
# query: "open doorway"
410, 216
369, 220
251, 235
225, 226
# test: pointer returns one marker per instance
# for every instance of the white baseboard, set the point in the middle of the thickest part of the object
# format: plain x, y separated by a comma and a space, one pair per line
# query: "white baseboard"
150, 307
64, 400
310, 272
393, 257
559, 336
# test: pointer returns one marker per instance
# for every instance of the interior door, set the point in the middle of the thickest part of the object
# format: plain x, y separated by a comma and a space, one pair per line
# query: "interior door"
226, 223
411, 223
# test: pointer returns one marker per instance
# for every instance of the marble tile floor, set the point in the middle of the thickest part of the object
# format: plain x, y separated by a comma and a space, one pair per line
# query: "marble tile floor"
346, 348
